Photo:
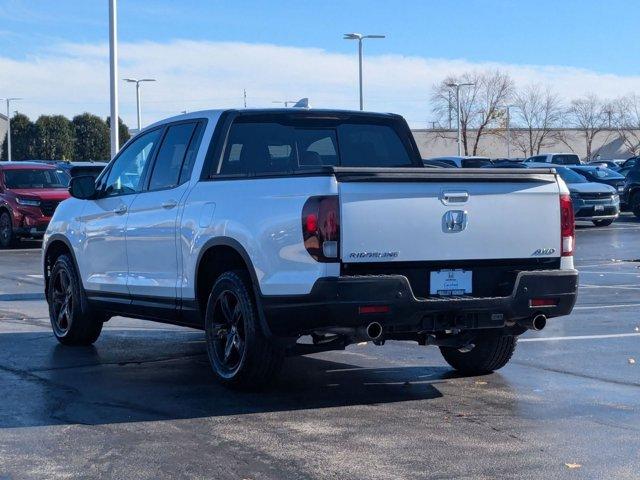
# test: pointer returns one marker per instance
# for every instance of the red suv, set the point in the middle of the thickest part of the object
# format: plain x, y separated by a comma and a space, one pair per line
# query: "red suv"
29, 194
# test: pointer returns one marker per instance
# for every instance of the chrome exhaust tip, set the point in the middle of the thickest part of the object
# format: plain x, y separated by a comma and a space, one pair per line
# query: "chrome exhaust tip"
374, 331
538, 322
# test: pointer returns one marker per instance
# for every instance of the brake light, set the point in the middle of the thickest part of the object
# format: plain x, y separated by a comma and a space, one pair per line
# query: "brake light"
567, 226
543, 302
321, 227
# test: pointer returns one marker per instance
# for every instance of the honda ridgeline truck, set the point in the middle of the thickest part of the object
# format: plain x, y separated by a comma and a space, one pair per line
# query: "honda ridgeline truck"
284, 232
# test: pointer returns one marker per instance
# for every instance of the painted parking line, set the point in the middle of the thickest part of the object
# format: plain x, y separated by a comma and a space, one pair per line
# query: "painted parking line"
595, 307
635, 286
579, 337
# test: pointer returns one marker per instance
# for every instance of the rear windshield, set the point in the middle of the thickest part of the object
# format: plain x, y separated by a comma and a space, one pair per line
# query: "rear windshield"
475, 162
263, 147
569, 176
35, 178
566, 159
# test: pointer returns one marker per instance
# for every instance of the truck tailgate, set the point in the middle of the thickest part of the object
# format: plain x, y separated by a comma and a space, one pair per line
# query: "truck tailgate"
447, 214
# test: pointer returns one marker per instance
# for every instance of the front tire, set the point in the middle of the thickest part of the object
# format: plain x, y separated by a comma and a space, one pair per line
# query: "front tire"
492, 351
7, 235
603, 223
72, 321
241, 356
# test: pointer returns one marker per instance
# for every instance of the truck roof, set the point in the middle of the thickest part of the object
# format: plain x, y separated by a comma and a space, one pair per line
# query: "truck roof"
303, 112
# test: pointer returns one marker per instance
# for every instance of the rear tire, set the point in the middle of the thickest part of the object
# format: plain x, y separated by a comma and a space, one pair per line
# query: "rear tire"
72, 321
635, 204
7, 235
603, 223
241, 356
492, 351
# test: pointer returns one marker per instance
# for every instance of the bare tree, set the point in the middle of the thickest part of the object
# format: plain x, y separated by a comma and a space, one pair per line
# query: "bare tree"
626, 120
537, 113
589, 114
480, 103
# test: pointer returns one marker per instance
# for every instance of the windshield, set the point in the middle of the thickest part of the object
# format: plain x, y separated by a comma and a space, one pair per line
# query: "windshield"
569, 176
607, 173
36, 178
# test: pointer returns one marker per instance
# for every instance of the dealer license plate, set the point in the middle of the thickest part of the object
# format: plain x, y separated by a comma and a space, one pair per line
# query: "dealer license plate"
451, 282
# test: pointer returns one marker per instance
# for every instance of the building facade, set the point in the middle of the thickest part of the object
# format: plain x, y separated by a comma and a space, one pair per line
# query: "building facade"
608, 143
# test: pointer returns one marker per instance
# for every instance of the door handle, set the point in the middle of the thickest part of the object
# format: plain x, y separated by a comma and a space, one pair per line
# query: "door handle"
169, 204
120, 209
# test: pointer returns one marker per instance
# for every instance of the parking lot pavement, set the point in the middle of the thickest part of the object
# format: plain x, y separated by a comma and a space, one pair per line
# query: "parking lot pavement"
142, 403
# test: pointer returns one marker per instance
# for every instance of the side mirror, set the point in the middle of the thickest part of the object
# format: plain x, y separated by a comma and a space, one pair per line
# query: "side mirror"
83, 187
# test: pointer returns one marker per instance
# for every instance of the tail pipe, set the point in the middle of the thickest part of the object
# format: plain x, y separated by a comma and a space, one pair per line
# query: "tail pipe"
374, 331
537, 322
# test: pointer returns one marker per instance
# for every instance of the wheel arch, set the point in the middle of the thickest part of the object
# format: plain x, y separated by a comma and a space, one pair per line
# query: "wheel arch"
216, 256
57, 245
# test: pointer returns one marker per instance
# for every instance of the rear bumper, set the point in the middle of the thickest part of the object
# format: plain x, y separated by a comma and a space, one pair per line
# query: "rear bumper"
334, 303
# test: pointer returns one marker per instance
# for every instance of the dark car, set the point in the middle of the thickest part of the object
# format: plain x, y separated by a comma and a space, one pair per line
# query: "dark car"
77, 169
592, 201
29, 194
439, 164
631, 193
602, 175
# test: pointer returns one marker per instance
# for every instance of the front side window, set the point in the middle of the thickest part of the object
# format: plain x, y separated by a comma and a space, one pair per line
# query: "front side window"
126, 174
35, 178
171, 155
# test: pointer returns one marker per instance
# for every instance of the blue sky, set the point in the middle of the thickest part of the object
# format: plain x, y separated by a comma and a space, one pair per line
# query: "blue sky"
572, 46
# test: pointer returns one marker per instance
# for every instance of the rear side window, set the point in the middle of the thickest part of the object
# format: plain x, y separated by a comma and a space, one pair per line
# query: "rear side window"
168, 164
256, 148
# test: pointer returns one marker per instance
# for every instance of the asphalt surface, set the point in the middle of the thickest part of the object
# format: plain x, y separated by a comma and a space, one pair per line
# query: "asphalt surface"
142, 403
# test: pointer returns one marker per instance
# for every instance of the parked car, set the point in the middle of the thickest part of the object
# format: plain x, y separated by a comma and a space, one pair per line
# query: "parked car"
556, 158
595, 202
464, 162
75, 169
603, 175
29, 194
261, 226
631, 193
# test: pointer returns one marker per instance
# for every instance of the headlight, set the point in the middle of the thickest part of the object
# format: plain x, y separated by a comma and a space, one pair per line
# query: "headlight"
28, 202
615, 198
620, 188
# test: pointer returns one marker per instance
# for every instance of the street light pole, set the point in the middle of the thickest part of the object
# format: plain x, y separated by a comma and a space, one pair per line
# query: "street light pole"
508, 111
113, 76
457, 87
360, 37
138, 82
9, 100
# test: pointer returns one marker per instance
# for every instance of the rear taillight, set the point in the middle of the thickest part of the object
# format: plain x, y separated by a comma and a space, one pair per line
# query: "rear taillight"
321, 227
567, 226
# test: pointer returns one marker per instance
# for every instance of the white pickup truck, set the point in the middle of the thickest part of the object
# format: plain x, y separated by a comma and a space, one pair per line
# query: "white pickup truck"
284, 232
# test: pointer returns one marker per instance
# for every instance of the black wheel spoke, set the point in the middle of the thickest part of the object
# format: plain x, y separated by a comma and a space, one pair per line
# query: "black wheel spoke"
226, 309
228, 330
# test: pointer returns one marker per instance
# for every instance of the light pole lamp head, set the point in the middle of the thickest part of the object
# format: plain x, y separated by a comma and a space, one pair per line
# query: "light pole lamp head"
352, 36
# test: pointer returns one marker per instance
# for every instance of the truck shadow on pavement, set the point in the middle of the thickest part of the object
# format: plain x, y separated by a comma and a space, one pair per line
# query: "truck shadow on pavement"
151, 375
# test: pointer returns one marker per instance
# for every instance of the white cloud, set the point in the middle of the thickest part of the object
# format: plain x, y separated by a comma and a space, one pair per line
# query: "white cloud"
71, 78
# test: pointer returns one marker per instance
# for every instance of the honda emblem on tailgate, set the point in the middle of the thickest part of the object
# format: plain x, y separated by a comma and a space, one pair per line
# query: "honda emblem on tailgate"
454, 221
